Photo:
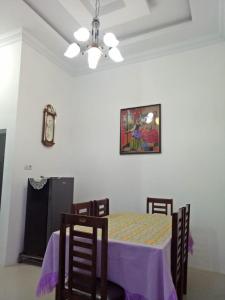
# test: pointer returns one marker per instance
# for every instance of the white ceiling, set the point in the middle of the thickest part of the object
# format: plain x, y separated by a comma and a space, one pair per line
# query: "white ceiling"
146, 28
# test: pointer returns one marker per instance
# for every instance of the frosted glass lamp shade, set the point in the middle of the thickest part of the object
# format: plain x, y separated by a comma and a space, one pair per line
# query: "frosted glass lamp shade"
110, 40
72, 51
94, 54
115, 55
82, 34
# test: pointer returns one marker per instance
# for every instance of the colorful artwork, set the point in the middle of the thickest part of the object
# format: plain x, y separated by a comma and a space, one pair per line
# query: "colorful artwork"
140, 129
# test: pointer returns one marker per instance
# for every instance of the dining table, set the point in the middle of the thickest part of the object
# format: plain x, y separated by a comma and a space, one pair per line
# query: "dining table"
139, 257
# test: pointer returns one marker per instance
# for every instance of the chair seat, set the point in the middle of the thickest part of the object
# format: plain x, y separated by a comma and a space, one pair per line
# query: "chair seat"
114, 292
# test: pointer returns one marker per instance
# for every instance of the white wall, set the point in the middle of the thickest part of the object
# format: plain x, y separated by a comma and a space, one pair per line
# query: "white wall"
41, 83
9, 80
190, 86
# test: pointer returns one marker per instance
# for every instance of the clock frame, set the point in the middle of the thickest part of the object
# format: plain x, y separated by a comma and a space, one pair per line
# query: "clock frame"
48, 126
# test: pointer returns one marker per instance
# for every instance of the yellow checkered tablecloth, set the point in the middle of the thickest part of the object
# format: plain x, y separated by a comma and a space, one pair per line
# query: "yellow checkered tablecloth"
146, 229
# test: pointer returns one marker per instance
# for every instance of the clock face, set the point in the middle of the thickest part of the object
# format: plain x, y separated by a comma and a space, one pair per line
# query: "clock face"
48, 126
49, 130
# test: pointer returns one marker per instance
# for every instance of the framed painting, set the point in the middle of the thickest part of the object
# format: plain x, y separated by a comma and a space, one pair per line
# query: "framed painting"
140, 129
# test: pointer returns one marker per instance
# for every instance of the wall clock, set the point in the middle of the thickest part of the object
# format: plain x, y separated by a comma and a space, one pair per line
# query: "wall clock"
48, 129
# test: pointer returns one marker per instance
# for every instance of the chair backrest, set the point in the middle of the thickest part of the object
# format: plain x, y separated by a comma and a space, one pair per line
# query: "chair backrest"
160, 206
186, 229
83, 208
177, 251
186, 225
101, 207
82, 256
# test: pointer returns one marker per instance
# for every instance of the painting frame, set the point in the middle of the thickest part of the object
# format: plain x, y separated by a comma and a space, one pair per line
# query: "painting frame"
140, 130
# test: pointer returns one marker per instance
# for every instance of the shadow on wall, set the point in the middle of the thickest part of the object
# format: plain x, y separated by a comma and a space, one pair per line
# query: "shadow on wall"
206, 249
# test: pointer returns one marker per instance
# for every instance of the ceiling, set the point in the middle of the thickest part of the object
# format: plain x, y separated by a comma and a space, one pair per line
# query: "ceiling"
124, 17
146, 28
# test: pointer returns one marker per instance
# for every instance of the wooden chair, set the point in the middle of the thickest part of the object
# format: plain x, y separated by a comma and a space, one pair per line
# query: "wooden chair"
177, 251
160, 206
83, 208
82, 282
101, 207
186, 224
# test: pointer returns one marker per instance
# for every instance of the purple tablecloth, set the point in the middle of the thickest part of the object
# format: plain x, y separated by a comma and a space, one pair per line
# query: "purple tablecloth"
144, 271
142, 267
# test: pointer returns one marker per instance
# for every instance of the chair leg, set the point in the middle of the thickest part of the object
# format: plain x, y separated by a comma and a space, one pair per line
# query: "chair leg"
57, 292
185, 278
180, 289
180, 292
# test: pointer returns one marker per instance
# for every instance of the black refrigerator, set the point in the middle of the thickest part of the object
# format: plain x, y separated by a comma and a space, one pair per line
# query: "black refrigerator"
47, 198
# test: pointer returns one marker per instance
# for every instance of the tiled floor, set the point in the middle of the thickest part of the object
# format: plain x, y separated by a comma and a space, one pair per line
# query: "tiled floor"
205, 285
19, 282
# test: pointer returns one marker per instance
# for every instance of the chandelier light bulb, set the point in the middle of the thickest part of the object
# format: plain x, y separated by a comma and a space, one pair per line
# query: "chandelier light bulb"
82, 34
72, 50
94, 54
110, 40
115, 55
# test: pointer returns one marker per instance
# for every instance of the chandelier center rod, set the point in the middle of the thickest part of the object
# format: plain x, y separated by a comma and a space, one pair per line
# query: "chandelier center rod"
97, 9
95, 31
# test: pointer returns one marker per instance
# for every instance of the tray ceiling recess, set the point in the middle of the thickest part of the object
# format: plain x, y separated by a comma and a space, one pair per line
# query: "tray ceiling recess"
145, 28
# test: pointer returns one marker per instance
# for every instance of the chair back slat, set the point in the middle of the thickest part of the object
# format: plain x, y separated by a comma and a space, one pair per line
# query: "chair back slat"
83, 208
81, 266
82, 277
101, 207
160, 205
83, 234
83, 255
186, 230
82, 244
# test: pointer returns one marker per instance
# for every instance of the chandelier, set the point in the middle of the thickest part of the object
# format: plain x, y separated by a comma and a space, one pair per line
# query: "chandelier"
94, 44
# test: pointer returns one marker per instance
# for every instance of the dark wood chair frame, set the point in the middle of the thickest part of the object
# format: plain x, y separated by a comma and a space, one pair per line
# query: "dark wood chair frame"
84, 241
101, 207
160, 205
186, 230
83, 208
177, 251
